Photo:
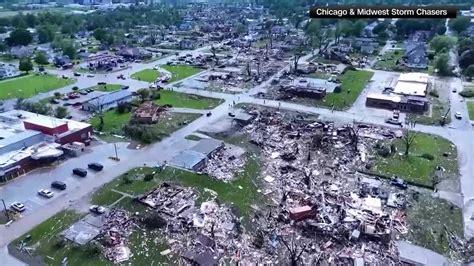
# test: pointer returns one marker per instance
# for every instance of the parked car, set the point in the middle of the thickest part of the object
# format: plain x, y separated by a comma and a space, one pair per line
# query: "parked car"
69, 117
18, 207
45, 193
58, 185
95, 166
84, 92
76, 74
53, 101
67, 104
458, 115
209, 114
393, 121
231, 114
90, 76
80, 172
90, 90
101, 83
97, 209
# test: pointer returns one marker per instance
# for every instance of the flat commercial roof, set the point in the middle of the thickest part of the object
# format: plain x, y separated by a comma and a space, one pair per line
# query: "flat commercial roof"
386, 97
414, 77
188, 159
207, 146
110, 97
410, 88
14, 119
17, 136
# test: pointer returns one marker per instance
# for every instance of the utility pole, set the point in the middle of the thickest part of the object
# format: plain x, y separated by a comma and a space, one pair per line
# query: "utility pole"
6, 211
115, 147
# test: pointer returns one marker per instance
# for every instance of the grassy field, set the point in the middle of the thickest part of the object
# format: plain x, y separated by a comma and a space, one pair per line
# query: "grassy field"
107, 87
241, 193
177, 99
470, 108
193, 137
180, 72
30, 85
415, 168
148, 75
388, 61
113, 121
352, 83
426, 218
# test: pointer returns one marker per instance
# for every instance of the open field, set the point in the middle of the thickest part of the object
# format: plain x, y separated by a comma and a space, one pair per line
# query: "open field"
470, 108
113, 121
352, 84
180, 72
149, 75
416, 168
177, 99
28, 86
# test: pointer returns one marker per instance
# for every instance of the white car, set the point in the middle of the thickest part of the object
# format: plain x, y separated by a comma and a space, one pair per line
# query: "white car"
458, 115
46, 193
90, 76
97, 209
18, 207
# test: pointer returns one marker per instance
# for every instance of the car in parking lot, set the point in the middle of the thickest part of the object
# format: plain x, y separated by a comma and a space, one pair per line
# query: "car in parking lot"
80, 172
95, 166
97, 209
59, 185
45, 193
458, 115
18, 207
393, 121
90, 76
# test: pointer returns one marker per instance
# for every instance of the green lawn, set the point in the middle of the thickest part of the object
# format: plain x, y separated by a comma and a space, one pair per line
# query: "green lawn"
148, 75
193, 137
352, 84
389, 59
241, 193
177, 99
470, 108
107, 87
415, 168
30, 85
180, 72
167, 124
113, 121
45, 238
427, 217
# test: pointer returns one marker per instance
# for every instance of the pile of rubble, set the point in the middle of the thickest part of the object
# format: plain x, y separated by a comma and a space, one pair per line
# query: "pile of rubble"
115, 231
310, 174
224, 166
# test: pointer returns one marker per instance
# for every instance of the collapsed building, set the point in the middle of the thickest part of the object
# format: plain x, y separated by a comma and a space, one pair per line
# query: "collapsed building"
148, 113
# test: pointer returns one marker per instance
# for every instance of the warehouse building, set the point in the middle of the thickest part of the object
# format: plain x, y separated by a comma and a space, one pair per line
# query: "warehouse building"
107, 101
29, 140
196, 157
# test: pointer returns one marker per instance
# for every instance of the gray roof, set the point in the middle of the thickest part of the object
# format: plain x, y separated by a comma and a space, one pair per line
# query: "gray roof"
187, 159
109, 98
207, 146
19, 137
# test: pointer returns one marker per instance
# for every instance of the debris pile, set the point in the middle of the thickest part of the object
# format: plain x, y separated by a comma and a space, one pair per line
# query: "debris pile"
117, 228
309, 172
223, 165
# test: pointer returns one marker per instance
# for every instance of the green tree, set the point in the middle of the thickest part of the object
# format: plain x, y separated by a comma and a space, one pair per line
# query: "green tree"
25, 65
357, 27
441, 29
45, 34
380, 27
440, 42
459, 24
469, 72
19, 37
100, 34
144, 94
70, 51
41, 59
30, 20
61, 112
442, 64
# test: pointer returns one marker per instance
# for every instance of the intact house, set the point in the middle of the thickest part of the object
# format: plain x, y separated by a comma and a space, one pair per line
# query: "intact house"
107, 101
415, 55
22, 51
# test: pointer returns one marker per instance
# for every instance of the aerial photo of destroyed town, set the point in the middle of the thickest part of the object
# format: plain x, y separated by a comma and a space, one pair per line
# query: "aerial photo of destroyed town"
235, 132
